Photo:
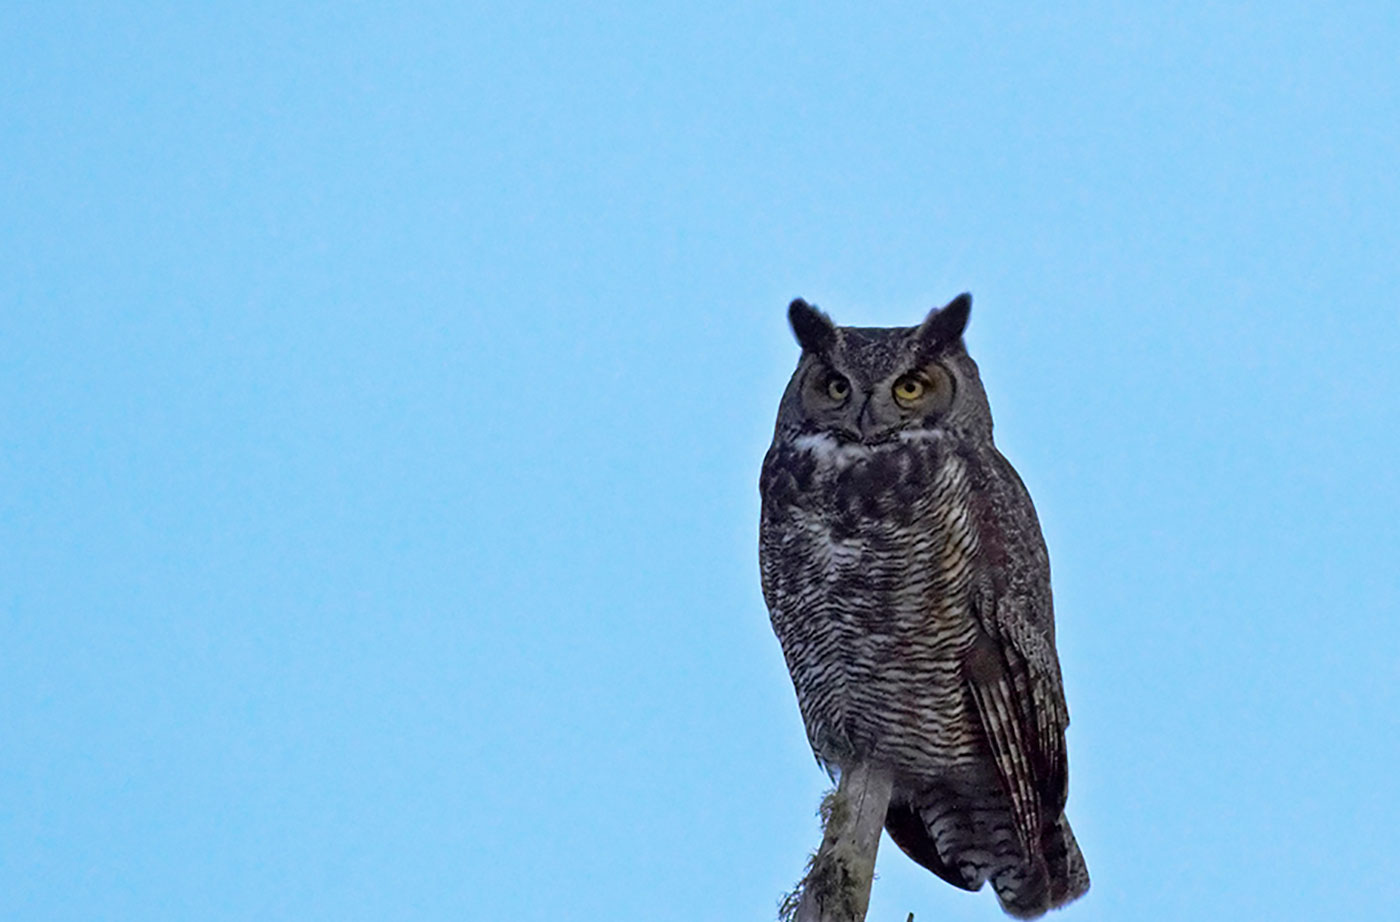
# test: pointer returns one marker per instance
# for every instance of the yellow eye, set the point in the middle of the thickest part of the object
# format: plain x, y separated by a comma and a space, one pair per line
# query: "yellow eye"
837, 387
908, 389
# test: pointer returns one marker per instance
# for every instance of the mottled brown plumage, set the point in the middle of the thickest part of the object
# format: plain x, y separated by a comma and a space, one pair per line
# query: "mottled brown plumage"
908, 583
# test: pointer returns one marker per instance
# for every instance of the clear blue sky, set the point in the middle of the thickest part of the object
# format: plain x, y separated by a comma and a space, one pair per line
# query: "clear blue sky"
383, 390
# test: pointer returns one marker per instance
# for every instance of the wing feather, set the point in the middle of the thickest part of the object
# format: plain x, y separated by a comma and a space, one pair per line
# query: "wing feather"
1015, 685
1003, 722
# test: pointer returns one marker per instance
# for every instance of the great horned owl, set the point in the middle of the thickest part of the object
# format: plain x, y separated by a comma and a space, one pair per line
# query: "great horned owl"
908, 583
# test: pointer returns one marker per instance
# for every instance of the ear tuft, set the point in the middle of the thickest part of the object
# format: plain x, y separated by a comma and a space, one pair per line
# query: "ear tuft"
814, 330
944, 325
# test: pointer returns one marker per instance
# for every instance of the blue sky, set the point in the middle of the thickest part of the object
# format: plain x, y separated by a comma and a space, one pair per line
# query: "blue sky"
383, 390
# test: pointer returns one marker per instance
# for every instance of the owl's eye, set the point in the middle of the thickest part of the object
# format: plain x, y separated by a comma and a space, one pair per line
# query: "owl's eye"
837, 387
908, 389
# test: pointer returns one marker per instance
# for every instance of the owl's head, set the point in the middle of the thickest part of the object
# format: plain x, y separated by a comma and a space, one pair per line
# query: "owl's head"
872, 385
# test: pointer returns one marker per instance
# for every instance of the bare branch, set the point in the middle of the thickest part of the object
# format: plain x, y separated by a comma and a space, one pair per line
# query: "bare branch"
836, 887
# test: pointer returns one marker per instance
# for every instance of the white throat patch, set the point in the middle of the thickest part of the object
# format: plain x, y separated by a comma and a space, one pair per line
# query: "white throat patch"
828, 450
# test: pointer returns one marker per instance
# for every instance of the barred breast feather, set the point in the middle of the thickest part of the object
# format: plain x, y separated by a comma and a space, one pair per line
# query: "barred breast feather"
912, 641
868, 571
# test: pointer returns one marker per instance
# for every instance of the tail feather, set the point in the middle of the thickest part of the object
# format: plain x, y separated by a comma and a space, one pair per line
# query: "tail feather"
1069, 875
1046, 881
909, 831
967, 846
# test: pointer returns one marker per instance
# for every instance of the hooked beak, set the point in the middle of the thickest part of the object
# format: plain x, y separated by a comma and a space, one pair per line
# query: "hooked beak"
865, 421
866, 430
870, 430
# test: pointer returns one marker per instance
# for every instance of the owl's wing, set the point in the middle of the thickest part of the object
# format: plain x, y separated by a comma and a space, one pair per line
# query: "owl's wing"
1015, 681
